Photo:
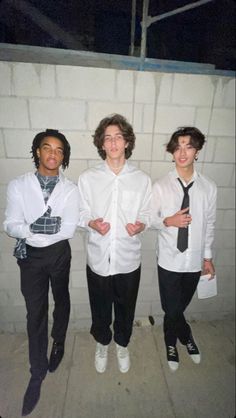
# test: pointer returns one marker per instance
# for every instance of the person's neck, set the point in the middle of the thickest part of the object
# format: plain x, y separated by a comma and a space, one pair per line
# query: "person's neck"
185, 173
48, 173
116, 165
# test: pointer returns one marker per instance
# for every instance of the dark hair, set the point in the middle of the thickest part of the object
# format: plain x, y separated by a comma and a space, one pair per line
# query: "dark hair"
125, 127
56, 134
197, 139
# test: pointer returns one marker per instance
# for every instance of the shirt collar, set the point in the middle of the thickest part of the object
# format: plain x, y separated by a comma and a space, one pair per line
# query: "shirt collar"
175, 175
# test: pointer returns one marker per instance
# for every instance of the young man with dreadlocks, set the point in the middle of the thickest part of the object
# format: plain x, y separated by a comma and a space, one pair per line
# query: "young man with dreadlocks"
42, 214
114, 208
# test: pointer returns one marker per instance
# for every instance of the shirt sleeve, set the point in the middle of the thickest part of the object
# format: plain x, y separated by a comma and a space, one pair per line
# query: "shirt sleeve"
211, 218
15, 225
156, 218
84, 208
145, 211
70, 215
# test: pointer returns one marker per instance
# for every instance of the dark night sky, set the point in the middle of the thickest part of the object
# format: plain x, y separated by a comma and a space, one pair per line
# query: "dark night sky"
205, 34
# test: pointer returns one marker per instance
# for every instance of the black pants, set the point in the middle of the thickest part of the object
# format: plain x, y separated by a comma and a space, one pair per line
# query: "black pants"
120, 289
44, 265
176, 292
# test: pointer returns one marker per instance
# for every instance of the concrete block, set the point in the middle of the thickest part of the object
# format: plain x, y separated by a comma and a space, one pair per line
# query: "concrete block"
78, 278
82, 146
142, 311
82, 311
169, 118
148, 259
225, 257
225, 92
202, 118
147, 293
18, 142
146, 167
189, 89
92, 163
226, 198
208, 151
224, 239
143, 147
145, 87
225, 150
159, 147
5, 75
228, 219
78, 242
148, 118
13, 113
138, 117
226, 280
7, 243
124, 88
3, 191
34, 80
10, 280
164, 85
8, 262
214, 171
148, 239
86, 83
160, 169
222, 122
57, 113
219, 219
74, 170
147, 276
78, 295
9, 169
78, 260
99, 110
7, 327
2, 147
12, 313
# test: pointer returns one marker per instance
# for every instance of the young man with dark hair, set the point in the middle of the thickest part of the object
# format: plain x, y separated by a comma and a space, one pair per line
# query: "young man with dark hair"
42, 214
183, 211
114, 208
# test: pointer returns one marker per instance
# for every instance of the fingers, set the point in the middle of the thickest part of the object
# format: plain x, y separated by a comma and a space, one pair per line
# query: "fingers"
180, 212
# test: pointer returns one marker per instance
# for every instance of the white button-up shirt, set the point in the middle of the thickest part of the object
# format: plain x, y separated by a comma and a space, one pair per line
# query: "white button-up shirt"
166, 201
25, 204
118, 199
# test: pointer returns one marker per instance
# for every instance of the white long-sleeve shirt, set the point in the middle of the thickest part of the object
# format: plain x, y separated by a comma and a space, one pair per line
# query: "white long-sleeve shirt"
118, 199
25, 204
167, 198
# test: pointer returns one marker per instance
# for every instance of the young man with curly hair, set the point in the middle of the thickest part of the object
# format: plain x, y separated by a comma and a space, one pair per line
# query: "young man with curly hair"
42, 214
183, 211
114, 208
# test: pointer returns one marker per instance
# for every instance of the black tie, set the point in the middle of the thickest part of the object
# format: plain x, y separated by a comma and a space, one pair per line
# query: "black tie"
182, 240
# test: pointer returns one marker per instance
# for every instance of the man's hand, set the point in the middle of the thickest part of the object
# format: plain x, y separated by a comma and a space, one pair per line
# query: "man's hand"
208, 268
46, 224
180, 219
136, 228
99, 226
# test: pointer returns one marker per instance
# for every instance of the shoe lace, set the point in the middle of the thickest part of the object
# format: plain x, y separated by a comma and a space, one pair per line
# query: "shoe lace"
171, 351
122, 352
190, 346
102, 351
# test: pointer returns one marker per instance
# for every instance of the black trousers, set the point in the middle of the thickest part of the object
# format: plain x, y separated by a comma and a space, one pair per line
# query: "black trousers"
176, 292
43, 266
120, 290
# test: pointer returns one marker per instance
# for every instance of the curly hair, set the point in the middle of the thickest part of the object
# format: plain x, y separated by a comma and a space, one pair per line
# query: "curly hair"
197, 139
56, 134
124, 126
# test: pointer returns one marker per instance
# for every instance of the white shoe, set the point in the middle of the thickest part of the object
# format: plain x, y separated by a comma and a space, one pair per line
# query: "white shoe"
101, 355
123, 358
193, 350
172, 357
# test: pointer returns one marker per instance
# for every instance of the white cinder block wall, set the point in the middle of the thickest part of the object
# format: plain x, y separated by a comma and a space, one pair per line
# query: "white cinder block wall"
74, 99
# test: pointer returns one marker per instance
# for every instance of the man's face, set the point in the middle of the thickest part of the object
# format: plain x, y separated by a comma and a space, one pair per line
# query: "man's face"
114, 143
184, 153
50, 154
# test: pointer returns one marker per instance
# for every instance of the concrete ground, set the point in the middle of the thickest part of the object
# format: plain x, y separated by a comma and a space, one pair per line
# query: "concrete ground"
148, 390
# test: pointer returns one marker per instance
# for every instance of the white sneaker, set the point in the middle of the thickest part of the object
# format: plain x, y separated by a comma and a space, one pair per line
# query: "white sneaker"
123, 358
101, 355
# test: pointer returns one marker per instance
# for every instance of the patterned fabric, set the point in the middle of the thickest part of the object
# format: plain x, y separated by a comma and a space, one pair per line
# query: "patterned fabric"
45, 224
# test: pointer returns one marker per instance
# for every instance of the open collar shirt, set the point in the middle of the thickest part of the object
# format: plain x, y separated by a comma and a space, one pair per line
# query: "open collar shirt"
166, 201
118, 199
25, 204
